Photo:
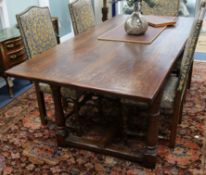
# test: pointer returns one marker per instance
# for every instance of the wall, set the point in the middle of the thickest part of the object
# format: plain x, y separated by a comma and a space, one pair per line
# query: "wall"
16, 6
59, 8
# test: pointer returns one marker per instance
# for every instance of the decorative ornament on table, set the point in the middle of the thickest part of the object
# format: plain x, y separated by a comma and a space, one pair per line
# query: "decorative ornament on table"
136, 24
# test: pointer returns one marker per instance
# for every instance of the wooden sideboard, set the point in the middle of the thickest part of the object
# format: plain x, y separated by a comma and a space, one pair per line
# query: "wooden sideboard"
12, 52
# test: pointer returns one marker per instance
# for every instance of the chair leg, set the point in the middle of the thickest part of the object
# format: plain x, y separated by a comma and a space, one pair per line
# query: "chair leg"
181, 108
190, 77
173, 131
175, 118
181, 111
41, 104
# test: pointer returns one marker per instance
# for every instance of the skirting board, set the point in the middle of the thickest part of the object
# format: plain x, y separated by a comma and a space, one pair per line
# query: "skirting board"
66, 37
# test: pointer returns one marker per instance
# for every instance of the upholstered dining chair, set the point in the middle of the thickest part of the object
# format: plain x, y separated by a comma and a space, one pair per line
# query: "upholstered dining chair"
175, 89
161, 7
82, 15
35, 25
202, 4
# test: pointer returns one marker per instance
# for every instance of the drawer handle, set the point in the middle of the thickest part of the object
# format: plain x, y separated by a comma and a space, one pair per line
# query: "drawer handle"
10, 45
15, 56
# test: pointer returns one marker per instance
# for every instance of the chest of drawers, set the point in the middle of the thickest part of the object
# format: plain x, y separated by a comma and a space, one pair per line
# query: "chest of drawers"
12, 52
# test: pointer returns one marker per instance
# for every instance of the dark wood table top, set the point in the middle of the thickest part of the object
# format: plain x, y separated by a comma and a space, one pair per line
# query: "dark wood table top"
125, 69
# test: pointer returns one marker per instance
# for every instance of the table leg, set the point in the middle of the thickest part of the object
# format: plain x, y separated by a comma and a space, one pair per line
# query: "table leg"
41, 104
150, 154
61, 133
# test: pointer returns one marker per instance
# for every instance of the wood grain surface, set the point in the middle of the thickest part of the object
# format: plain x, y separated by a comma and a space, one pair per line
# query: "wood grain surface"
118, 34
123, 69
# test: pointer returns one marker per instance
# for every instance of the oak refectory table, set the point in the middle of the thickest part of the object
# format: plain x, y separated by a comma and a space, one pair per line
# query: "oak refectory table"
120, 69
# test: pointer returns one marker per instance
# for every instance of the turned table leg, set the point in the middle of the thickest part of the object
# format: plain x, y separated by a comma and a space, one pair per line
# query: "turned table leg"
61, 132
150, 154
41, 104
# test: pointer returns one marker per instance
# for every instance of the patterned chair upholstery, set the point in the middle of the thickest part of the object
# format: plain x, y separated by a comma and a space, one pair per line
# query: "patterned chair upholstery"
162, 8
82, 15
37, 31
175, 89
157, 7
36, 28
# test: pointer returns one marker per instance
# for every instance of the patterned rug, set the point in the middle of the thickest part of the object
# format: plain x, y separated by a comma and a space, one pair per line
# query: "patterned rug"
27, 147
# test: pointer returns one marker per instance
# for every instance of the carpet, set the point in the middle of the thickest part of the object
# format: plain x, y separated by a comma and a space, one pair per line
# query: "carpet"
27, 147
20, 86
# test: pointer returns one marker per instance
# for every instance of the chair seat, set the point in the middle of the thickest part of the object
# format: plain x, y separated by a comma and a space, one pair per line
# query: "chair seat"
65, 92
167, 97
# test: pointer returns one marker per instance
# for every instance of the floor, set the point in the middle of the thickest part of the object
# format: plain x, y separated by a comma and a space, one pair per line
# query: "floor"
20, 87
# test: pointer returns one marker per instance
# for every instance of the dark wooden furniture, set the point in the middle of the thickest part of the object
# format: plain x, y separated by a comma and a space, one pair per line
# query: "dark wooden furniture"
12, 53
134, 71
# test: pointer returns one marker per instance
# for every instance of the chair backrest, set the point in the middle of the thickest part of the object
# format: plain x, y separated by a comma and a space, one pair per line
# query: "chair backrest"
190, 48
161, 7
36, 29
82, 15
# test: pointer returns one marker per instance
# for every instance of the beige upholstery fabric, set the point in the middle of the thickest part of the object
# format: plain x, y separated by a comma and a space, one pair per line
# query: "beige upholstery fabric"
162, 7
37, 30
65, 92
190, 47
82, 15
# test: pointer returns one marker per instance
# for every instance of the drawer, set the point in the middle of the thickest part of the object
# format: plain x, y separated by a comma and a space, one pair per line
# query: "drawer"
12, 56
16, 57
13, 43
